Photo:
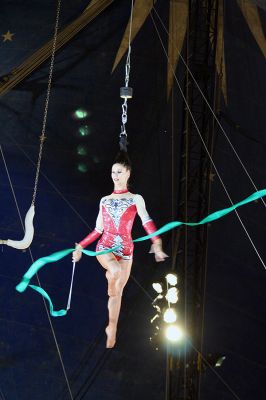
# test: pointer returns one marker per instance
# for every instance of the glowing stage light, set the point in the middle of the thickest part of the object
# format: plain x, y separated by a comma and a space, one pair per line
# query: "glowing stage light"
82, 167
157, 308
81, 113
159, 303
171, 279
82, 150
214, 360
159, 297
172, 295
219, 361
154, 318
84, 130
157, 287
174, 333
170, 316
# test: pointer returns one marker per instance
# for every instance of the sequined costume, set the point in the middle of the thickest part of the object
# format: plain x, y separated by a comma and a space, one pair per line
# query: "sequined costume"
114, 224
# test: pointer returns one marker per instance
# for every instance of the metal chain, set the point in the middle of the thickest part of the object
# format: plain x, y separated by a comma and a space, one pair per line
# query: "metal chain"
127, 68
43, 137
124, 105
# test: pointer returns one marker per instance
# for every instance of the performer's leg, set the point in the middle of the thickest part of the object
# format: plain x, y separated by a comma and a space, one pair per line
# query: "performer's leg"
110, 263
114, 303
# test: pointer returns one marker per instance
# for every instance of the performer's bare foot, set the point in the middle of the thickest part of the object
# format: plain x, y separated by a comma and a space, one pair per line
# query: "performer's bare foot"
111, 336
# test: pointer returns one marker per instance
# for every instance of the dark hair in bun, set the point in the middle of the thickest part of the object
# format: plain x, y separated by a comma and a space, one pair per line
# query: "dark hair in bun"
123, 159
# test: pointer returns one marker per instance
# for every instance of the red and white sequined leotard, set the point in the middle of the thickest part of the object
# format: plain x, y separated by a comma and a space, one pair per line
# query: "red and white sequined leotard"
115, 221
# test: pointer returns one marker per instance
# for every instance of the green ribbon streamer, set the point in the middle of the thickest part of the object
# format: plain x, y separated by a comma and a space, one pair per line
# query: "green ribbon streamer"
53, 313
38, 264
41, 262
211, 217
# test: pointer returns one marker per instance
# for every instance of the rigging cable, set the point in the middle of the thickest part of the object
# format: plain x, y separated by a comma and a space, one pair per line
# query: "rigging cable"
51, 183
206, 101
206, 149
2, 395
42, 139
214, 166
216, 373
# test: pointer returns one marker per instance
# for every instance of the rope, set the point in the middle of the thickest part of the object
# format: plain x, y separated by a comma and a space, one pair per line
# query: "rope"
139, 285
207, 103
50, 182
2, 395
207, 151
40, 290
43, 137
216, 373
12, 187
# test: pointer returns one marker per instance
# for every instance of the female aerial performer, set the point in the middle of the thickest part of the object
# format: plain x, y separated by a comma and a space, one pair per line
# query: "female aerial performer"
114, 224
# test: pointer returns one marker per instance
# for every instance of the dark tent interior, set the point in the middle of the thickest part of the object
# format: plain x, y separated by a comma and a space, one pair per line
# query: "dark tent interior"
60, 358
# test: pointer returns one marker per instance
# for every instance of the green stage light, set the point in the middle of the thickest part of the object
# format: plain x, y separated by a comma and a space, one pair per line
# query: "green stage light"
82, 150
84, 130
81, 113
82, 167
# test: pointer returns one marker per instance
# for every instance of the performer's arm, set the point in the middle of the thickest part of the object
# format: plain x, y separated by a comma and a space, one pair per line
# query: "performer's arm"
91, 237
150, 227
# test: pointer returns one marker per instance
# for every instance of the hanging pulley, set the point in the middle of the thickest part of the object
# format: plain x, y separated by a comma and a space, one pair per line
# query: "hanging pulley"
126, 92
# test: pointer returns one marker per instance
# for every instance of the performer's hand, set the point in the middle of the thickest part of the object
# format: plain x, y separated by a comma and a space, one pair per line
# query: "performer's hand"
156, 248
77, 254
160, 256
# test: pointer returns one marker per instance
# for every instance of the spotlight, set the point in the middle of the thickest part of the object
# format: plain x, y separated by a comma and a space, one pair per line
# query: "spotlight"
154, 318
171, 279
170, 316
157, 308
82, 167
172, 295
157, 299
174, 333
84, 130
82, 150
215, 359
80, 113
220, 361
158, 303
157, 287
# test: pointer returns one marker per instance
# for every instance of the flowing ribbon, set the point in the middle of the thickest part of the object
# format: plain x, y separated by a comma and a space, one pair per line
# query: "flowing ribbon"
41, 262
211, 217
38, 264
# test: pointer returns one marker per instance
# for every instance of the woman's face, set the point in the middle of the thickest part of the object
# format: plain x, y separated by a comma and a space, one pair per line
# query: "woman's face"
120, 175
